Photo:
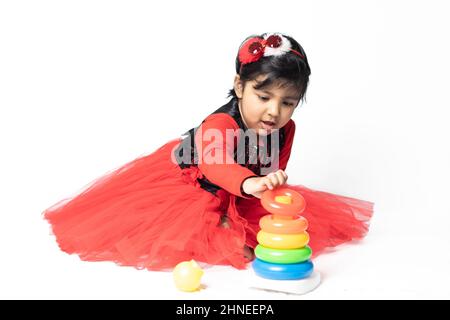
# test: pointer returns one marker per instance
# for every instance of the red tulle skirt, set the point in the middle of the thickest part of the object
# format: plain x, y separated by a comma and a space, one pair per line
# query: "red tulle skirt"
151, 214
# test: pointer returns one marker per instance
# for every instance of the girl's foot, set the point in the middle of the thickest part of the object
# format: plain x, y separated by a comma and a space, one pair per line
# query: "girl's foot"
224, 222
249, 253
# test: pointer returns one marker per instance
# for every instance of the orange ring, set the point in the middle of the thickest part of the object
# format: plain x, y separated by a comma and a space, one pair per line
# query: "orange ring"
281, 209
271, 224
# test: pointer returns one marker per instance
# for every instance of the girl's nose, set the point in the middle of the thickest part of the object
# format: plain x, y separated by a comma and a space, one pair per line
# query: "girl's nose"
274, 109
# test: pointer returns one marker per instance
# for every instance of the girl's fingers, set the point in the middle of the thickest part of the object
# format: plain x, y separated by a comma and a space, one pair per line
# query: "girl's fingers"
274, 179
280, 177
284, 174
268, 183
258, 194
261, 185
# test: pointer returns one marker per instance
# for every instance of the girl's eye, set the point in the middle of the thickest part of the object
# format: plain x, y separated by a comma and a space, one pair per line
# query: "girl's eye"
267, 98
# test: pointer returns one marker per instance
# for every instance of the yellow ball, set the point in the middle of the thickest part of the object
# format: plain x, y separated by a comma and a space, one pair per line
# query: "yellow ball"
187, 276
283, 199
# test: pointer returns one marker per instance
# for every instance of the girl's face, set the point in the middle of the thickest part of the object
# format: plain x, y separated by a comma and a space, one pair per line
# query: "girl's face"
266, 109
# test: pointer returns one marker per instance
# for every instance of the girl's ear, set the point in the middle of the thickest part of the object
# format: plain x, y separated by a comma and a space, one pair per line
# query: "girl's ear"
238, 87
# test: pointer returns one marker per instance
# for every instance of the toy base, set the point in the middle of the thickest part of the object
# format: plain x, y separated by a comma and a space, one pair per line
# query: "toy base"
299, 287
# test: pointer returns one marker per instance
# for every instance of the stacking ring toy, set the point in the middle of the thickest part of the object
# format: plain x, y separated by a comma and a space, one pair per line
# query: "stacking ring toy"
272, 224
283, 209
282, 241
282, 271
283, 256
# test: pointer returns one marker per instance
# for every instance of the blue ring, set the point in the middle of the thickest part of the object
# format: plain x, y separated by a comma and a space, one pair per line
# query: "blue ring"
276, 271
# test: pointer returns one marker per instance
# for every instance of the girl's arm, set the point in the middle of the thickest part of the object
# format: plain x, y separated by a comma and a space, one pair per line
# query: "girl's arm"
224, 172
256, 186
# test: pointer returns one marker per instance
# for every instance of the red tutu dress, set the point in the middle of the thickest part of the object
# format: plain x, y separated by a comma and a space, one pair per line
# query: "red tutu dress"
157, 211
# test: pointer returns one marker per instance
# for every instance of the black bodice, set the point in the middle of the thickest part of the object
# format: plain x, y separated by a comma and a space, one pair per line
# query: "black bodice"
251, 159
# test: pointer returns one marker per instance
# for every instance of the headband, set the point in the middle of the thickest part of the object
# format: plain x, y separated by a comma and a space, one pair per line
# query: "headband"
270, 45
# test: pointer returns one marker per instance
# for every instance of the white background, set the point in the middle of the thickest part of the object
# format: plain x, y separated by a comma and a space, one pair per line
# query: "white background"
86, 86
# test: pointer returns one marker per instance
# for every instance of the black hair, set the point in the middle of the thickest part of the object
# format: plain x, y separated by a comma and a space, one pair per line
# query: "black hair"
288, 69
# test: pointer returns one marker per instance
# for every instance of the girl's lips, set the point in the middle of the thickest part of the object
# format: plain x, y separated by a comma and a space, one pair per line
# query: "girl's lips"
268, 125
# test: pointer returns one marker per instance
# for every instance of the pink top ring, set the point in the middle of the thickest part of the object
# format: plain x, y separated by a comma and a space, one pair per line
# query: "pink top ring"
281, 209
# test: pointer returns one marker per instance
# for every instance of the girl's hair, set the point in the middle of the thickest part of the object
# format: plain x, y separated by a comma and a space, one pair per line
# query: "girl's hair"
288, 69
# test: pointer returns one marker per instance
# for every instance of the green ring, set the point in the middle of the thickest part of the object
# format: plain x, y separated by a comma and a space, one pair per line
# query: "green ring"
283, 256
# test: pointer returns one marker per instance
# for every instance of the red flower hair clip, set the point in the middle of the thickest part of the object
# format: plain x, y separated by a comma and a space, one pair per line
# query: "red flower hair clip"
270, 45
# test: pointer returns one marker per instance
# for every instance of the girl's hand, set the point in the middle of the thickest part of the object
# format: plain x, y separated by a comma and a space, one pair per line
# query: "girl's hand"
257, 185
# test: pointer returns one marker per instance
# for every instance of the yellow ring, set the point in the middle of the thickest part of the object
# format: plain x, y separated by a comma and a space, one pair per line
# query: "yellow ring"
283, 241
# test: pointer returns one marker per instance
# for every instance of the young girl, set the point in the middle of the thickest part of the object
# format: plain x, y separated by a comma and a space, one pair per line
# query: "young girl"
198, 196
